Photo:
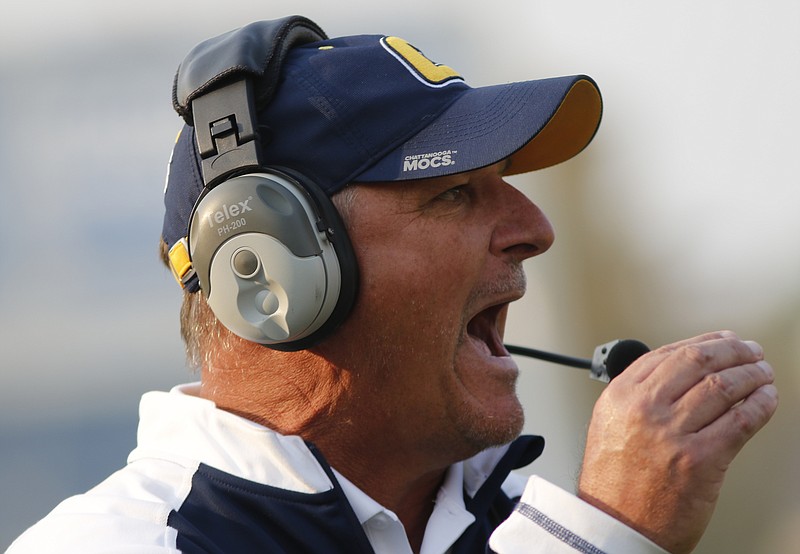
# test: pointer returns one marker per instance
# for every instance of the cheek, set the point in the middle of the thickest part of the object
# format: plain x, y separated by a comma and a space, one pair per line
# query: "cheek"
415, 279
427, 283
410, 308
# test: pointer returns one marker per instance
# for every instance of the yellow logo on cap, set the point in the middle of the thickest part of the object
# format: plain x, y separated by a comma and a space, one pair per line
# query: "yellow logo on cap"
432, 73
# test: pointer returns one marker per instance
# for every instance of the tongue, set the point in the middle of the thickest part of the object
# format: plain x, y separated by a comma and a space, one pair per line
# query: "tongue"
482, 328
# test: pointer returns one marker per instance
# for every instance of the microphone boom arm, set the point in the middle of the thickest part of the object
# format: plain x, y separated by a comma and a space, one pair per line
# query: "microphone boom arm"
609, 360
582, 363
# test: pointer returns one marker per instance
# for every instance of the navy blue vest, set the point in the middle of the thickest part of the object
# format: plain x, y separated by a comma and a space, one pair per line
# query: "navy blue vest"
225, 514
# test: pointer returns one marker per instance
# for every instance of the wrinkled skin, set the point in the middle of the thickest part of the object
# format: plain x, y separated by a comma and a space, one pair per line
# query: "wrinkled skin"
663, 434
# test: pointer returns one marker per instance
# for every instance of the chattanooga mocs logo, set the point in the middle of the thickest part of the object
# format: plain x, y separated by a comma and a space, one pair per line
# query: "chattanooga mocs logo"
431, 160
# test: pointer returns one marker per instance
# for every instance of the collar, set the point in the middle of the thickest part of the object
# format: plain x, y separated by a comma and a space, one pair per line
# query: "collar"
181, 427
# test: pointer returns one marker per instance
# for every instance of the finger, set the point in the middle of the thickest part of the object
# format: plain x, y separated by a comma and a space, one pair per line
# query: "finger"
718, 392
687, 365
734, 428
645, 365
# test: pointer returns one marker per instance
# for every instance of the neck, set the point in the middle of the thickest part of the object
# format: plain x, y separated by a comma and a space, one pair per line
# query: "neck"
388, 475
302, 394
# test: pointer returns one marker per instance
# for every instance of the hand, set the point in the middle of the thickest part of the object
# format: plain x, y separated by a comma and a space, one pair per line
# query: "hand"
664, 432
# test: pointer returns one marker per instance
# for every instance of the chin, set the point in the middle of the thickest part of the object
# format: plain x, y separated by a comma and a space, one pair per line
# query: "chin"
499, 426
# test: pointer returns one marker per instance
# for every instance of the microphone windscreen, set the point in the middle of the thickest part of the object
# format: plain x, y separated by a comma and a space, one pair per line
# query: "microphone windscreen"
623, 354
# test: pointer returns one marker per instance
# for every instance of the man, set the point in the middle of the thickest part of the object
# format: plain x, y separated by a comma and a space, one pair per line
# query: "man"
390, 423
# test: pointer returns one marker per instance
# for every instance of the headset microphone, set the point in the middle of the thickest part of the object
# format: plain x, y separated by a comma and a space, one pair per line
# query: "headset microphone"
609, 360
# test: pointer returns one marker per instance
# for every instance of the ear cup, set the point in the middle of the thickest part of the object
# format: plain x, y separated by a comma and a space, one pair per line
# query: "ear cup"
273, 259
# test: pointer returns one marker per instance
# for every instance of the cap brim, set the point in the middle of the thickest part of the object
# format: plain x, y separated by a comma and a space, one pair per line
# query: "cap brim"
536, 124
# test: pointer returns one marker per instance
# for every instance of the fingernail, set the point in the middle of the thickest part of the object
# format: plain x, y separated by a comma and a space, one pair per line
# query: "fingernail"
771, 390
755, 347
766, 368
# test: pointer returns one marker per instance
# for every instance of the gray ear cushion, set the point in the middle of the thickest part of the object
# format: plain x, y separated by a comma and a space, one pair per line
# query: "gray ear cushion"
273, 259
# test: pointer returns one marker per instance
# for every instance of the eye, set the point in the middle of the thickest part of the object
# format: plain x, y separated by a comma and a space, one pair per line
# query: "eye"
455, 194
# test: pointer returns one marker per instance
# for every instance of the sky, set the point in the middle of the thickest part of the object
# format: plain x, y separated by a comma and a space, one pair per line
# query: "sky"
679, 218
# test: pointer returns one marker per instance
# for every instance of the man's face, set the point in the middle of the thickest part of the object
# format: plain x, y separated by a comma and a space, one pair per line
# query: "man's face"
439, 261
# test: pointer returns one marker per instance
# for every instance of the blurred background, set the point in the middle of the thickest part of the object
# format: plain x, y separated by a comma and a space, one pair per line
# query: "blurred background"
678, 219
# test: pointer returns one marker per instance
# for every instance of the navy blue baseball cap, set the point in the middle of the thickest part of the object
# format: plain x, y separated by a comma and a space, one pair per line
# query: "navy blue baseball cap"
373, 108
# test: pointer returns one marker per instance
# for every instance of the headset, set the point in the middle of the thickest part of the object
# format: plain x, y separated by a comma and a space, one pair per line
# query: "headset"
267, 245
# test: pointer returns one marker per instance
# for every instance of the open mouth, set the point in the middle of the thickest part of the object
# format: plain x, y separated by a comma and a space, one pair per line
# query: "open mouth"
484, 329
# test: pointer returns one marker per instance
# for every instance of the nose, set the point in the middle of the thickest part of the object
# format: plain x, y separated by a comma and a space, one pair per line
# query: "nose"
522, 230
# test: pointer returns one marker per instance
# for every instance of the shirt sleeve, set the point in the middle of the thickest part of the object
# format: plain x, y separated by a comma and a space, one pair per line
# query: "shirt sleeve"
549, 520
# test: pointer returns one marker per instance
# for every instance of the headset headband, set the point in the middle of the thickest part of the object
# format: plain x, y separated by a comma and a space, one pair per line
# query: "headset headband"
224, 81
